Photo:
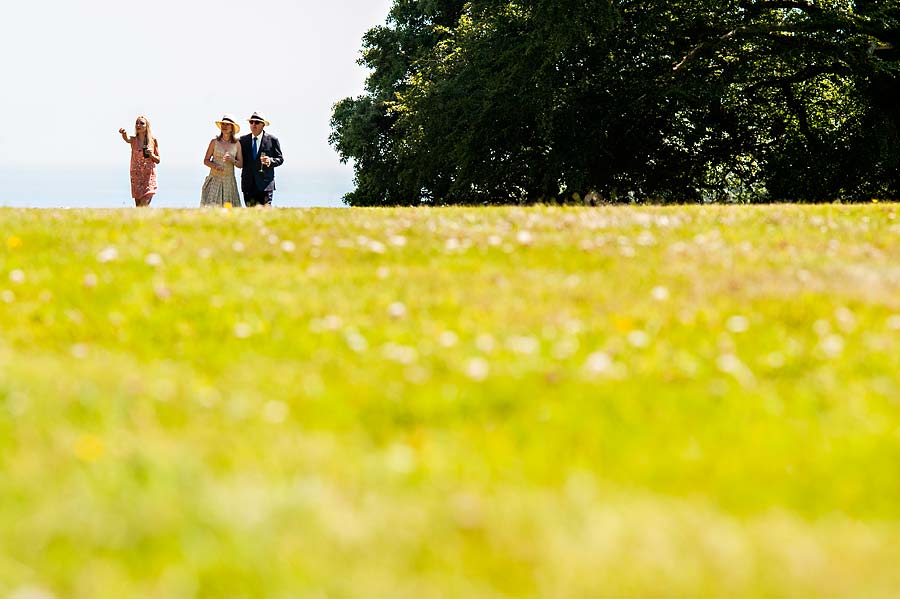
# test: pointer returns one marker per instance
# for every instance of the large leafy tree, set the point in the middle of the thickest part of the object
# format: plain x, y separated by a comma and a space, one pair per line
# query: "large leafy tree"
537, 100
365, 128
811, 90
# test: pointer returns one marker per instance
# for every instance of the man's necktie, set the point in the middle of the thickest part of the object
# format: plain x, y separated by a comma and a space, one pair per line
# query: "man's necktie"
255, 152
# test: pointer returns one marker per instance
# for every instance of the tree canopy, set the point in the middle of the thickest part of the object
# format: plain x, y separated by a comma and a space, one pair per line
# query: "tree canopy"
499, 101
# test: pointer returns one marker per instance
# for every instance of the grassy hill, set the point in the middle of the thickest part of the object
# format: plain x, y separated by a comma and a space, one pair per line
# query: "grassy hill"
546, 402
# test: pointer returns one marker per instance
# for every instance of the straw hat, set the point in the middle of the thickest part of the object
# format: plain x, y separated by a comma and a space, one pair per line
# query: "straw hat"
258, 117
229, 120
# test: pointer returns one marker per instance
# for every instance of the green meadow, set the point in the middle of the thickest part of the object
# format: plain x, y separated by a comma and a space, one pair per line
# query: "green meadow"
450, 403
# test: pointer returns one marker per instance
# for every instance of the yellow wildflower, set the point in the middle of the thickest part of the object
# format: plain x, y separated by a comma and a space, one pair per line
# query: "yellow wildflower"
623, 324
89, 448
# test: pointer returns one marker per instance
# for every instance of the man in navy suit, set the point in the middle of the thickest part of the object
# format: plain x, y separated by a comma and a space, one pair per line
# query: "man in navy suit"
262, 153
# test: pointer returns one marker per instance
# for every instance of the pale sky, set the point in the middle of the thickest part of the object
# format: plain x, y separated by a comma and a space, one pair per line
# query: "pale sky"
74, 72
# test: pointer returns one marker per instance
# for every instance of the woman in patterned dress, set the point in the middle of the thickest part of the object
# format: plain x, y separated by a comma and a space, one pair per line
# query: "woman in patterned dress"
223, 154
144, 158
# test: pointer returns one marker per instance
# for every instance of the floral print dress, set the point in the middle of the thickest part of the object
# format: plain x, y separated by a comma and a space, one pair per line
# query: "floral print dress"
220, 187
143, 170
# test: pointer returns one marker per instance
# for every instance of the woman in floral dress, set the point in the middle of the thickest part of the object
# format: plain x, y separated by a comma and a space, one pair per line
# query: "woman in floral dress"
144, 158
223, 154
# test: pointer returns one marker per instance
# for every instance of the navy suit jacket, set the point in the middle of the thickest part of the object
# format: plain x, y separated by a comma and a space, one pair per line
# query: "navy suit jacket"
251, 179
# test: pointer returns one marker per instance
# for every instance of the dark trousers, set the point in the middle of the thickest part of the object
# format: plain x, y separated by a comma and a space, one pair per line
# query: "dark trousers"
257, 198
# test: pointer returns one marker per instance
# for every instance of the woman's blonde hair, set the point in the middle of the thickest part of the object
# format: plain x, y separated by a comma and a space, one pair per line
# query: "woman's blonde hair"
147, 132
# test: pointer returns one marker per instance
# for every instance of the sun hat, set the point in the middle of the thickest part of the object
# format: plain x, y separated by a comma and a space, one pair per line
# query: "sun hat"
258, 117
229, 120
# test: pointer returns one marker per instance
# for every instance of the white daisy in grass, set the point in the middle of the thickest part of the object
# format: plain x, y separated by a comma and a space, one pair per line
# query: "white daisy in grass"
448, 339
822, 327
646, 239
846, 319
599, 362
729, 363
737, 324
478, 369
893, 322
638, 338
107, 254
162, 292
242, 330
523, 344
660, 293
832, 346
397, 310
485, 343
355, 341
329, 322
402, 354
275, 411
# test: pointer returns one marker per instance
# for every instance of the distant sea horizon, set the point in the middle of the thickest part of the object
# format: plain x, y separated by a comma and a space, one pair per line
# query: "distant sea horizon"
179, 186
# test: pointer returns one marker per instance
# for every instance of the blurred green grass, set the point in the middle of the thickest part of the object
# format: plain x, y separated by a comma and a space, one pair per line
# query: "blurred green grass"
503, 402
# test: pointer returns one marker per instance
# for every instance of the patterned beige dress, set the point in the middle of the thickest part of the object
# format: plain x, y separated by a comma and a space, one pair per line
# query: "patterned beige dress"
221, 188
